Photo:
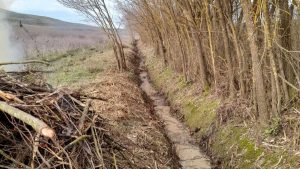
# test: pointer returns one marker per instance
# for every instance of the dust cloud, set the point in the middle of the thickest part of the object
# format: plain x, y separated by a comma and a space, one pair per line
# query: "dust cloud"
10, 51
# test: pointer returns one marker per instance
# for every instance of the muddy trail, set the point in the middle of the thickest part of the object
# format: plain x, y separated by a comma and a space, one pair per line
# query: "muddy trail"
189, 154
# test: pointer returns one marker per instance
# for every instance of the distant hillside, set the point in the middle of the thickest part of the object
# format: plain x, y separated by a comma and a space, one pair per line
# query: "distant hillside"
42, 35
15, 18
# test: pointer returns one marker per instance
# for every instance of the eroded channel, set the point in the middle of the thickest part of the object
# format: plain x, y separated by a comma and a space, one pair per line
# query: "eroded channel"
189, 154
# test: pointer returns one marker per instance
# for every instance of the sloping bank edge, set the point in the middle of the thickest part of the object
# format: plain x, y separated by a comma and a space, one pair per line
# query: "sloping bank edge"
229, 145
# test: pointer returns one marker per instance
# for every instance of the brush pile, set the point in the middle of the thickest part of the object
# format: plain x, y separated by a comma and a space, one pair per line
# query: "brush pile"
75, 137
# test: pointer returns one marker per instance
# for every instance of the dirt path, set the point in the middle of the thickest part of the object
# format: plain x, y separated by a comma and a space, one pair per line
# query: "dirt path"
190, 155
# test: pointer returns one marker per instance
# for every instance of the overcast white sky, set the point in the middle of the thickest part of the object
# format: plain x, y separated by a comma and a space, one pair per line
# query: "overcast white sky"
53, 9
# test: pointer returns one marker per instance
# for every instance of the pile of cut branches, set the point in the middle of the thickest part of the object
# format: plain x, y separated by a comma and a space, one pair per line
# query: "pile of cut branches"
46, 128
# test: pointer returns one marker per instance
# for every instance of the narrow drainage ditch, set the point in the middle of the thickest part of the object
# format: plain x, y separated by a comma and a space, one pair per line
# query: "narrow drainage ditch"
190, 155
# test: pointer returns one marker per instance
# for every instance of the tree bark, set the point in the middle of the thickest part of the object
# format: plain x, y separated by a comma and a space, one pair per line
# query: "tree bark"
210, 40
258, 82
38, 125
276, 94
226, 48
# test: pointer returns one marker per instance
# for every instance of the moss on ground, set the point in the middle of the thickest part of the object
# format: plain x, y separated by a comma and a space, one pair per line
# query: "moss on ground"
232, 142
200, 113
238, 150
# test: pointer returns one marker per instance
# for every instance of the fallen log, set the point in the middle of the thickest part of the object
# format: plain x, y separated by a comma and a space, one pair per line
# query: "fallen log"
24, 62
38, 125
29, 71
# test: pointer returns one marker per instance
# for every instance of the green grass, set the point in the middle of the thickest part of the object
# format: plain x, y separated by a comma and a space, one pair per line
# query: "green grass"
70, 77
78, 66
57, 56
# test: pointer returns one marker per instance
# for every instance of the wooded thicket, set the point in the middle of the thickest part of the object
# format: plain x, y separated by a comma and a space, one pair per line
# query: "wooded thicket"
245, 49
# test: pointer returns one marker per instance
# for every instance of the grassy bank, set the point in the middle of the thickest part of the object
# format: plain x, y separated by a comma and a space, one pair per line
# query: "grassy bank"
232, 142
79, 66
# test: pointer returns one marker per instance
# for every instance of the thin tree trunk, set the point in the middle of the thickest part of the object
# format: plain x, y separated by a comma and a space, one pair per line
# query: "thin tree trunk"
160, 37
211, 48
198, 43
258, 82
276, 94
285, 34
177, 32
241, 59
200, 57
226, 49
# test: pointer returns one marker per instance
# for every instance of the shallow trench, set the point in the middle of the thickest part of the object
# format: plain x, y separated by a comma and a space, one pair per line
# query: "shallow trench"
190, 155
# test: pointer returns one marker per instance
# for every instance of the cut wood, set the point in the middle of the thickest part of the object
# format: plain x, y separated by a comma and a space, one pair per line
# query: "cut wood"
38, 125
8, 97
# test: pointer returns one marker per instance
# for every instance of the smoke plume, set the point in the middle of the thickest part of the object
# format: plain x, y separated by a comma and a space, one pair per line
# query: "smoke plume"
9, 50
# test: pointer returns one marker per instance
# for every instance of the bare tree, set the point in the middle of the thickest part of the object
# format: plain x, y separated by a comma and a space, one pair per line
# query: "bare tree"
97, 12
245, 48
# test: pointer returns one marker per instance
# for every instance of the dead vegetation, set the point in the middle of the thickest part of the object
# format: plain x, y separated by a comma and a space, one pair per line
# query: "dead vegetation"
245, 54
131, 119
105, 124
80, 140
